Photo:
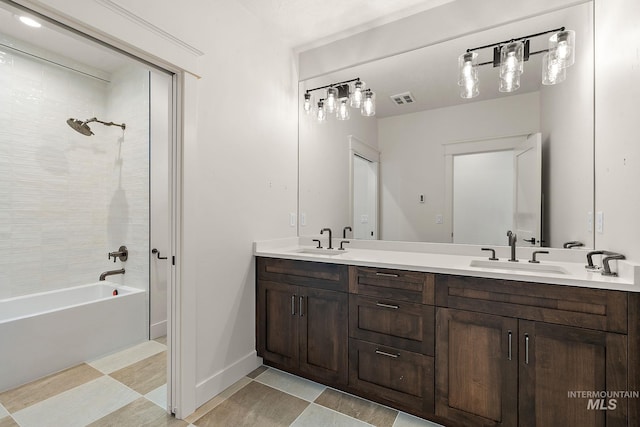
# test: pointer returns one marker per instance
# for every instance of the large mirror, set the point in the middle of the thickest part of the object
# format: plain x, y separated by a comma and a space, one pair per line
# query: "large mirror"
444, 169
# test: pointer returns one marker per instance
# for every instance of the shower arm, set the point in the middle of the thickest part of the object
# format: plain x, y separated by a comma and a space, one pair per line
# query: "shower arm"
94, 119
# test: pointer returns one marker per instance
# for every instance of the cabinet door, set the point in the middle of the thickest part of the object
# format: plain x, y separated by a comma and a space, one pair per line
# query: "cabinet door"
324, 330
476, 368
558, 360
277, 323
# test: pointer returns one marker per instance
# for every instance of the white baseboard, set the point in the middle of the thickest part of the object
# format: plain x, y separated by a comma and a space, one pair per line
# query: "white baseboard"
218, 382
158, 330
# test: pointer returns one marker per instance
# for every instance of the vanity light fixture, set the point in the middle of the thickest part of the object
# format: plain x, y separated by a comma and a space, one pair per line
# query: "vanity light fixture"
339, 99
510, 56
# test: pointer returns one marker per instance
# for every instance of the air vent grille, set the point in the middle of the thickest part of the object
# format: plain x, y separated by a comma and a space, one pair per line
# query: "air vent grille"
403, 98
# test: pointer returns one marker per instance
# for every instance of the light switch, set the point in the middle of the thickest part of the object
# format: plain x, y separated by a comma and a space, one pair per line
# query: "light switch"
364, 219
303, 219
292, 219
590, 222
439, 219
599, 222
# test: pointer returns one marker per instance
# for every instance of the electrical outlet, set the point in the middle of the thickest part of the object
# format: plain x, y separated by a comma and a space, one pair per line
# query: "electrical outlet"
364, 219
590, 222
303, 219
292, 219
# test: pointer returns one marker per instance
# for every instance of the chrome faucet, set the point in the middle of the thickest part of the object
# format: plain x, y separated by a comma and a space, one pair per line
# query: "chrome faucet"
111, 273
329, 230
512, 242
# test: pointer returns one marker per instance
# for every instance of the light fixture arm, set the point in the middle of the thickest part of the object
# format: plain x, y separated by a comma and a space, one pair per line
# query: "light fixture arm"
530, 36
357, 79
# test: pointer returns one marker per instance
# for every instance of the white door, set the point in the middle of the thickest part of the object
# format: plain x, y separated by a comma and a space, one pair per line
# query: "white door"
365, 198
528, 191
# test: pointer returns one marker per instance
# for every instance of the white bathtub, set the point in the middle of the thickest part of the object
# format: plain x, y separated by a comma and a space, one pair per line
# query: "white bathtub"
46, 332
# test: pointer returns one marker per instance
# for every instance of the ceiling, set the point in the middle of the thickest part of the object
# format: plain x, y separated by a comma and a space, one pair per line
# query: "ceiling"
304, 22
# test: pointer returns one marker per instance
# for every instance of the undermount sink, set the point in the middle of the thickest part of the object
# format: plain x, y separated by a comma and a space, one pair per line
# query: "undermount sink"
320, 251
519, 266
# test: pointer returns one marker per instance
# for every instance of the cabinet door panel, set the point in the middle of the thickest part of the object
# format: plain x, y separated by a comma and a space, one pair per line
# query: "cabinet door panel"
278, 324
324, 334
562, 360
476, 380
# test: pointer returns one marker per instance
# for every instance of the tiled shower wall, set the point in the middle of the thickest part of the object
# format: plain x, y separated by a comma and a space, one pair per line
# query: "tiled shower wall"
66, 199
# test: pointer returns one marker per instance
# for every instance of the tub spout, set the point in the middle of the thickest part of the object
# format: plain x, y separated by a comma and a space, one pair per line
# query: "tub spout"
111, 273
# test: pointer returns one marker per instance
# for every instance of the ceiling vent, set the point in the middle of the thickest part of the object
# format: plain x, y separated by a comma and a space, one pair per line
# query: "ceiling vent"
403, 98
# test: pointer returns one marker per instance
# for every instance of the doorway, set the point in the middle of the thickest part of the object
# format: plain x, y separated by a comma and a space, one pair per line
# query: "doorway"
363, 189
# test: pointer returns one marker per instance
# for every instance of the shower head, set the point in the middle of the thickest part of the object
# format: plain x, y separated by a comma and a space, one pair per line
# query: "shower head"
83, 128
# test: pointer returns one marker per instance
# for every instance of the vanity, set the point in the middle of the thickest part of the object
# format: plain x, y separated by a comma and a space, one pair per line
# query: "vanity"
446, 338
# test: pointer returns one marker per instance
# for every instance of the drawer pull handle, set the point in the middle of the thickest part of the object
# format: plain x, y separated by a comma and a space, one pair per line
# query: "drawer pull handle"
526, 346
381, 304
293, 305
301, 305
509, 345
384, 353
387, 275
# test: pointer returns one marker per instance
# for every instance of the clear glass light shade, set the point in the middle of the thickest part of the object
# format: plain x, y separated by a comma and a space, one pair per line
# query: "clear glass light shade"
562, 48
552, 72
343, 109
308, 103
357, 95
321, 112
368, 104
469, 89
510, 82
512, 58
467, 68
331, 102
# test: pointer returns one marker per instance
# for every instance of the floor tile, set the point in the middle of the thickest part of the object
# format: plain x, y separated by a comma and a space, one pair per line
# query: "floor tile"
116, 361
145, 375
3, 412
8, 422
255, 405
406, 420
158, 396
257, 371
78, 406
319, 416
212, 403
355, 407
44, 388
299, 387
139, 413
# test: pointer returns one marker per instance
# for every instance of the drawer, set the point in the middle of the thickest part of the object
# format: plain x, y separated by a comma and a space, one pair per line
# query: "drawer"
400, 324
399, 377
398, 285
304, 273
589, 308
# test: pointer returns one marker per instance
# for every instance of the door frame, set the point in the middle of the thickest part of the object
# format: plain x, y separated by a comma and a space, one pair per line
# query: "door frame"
358, 148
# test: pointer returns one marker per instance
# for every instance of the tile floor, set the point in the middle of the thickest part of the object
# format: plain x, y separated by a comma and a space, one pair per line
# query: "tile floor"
129, 389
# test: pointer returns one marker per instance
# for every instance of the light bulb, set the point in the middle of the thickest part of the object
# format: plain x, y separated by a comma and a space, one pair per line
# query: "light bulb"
343, 109
552, 71
467, 68
369, 104
356, 95
562, 48
510, 82
331, 103
512, 58
308, 104
321, 112
469, 89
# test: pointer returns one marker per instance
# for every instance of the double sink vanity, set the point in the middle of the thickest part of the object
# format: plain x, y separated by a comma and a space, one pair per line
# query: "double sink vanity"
444, 333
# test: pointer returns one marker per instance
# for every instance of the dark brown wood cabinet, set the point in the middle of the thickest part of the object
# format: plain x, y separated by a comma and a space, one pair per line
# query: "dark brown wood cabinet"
302, 327
462, 351
499, 370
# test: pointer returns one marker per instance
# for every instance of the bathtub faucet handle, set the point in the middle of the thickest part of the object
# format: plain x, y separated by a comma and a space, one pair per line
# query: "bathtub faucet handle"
122, 253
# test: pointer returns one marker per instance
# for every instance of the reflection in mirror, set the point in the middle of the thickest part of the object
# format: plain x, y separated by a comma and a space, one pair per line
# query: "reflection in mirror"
414, 141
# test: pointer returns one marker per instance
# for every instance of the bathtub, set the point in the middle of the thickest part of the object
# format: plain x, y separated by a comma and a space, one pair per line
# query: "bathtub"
46, 332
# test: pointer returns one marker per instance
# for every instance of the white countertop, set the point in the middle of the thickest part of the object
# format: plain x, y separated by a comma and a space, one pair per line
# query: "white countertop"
560, 266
